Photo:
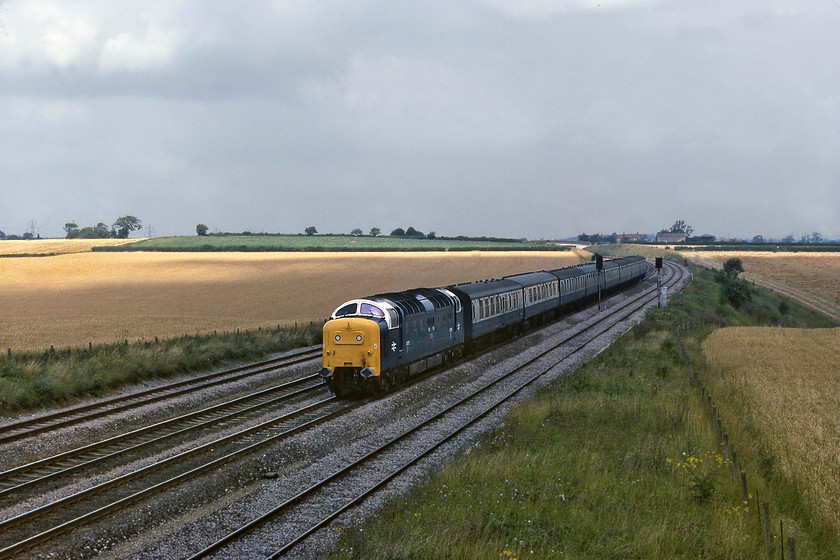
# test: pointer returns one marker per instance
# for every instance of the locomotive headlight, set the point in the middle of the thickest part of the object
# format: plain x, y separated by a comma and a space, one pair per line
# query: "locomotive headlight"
337, 337
359, 337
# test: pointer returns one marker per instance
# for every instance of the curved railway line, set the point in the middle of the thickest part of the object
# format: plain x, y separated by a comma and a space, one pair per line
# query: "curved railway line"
314, 502
294, 408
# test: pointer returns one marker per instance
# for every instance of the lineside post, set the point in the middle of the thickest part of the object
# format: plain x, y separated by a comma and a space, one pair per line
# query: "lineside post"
599, 268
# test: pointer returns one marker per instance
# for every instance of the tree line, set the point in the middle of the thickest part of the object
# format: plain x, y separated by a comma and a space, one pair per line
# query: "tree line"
118, 230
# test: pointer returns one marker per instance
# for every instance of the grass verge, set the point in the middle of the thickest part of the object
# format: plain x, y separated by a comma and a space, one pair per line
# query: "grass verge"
617, 460
37, 379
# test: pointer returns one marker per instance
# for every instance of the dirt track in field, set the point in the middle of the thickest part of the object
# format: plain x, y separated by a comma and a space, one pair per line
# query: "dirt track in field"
73, 299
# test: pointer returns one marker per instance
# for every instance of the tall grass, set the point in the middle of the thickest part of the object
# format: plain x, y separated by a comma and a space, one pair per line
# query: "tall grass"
617, 460
36, 379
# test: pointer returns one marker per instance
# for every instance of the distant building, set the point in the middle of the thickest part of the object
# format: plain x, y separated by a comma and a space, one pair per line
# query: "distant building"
670, 237
629, 238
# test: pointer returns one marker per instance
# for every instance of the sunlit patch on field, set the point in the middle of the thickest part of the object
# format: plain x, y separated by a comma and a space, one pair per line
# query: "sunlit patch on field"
73, 299
57, 246
788, 381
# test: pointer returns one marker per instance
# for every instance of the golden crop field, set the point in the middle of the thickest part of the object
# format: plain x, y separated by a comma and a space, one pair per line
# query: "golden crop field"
789, 381
57, 246
73, 299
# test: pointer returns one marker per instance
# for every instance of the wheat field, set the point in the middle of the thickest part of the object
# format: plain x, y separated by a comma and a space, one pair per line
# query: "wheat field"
789, 382
57, 246
75, 298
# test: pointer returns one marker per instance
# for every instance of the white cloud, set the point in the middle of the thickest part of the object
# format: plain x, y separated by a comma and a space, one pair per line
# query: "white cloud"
46, 33
125, 51
546, 9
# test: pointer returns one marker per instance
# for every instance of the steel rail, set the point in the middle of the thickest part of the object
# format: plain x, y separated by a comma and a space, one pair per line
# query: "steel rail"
76, 415
61, 459
150, 469
248, 527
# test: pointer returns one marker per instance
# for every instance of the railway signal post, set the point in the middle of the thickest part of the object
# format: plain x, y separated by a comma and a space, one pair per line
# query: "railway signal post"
663, 290
599, 268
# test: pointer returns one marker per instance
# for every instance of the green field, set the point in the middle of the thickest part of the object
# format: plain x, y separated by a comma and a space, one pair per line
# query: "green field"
271, 242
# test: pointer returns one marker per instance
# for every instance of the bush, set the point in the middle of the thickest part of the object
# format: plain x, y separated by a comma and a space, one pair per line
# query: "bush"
735, 293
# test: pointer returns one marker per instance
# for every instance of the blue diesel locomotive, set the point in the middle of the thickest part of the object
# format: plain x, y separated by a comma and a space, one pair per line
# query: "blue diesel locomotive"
374, 343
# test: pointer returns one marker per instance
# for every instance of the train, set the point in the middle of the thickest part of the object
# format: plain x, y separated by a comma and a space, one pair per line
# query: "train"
373, 344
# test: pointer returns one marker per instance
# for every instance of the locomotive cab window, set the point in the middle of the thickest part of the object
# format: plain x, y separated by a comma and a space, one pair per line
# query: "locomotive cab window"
348, 309
368, 309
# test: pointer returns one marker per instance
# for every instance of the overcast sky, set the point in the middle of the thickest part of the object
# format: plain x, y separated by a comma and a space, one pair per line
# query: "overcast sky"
526, 118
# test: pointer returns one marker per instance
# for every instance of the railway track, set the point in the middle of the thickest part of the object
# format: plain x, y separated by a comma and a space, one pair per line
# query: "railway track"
400, 452
39, 525
30, 427
44, 523
16, 483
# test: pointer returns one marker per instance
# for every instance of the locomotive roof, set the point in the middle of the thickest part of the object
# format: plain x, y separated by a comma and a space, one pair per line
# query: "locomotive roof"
416, 301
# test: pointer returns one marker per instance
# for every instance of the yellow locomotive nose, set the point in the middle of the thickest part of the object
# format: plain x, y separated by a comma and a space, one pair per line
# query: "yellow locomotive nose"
351, 346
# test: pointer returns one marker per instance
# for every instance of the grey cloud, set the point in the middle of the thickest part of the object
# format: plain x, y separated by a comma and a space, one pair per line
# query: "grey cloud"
483, 119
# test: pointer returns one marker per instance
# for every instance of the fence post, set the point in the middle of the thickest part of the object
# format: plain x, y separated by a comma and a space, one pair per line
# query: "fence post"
781, 539
10, 353
765, 523
744, 490
734, 465
726, 446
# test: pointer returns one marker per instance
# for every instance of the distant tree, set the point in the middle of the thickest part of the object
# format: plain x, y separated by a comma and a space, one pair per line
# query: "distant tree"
71, 229
374, 231
758, 239
125, 225
310, 230
816, 237
356, 232
584, 237
788, 239
201, 229
2, 235
399, 232
431, 235
411, 232
805, 239
100, 231
680, 227
28, 235
732, 267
